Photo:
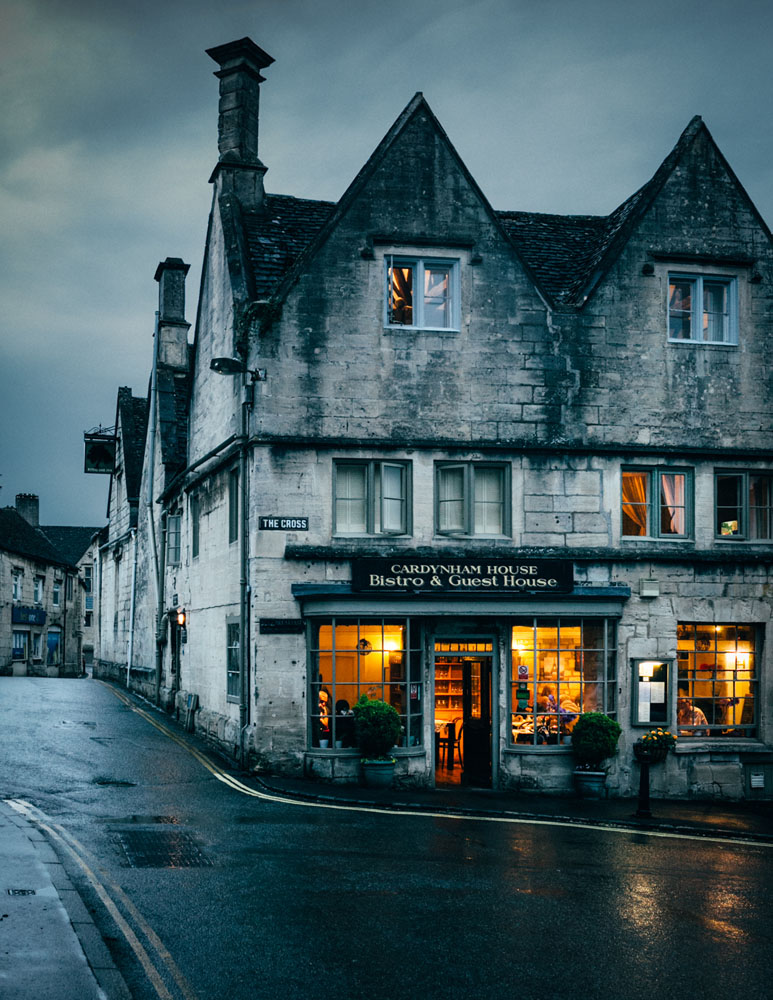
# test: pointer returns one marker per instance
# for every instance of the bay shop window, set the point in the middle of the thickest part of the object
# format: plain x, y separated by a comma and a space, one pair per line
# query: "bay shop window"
717, 680
377, 657
560, 668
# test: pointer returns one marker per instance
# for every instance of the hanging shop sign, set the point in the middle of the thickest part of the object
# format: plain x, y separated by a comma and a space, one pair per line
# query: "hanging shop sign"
27, 616
99, 453
279, 523
468, 576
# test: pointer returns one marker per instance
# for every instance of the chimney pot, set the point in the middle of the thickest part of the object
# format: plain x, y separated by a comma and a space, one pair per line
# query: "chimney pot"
240, 79
172, 326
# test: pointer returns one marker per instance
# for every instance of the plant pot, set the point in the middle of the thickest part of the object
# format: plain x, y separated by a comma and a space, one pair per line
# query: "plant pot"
649, 755
378, 773
590, 784
324, 744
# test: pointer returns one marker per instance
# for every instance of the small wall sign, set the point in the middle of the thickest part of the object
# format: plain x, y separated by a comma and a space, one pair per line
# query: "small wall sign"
280, 523
282, 626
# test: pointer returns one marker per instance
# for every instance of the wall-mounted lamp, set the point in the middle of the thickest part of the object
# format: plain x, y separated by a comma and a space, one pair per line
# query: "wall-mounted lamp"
233, 366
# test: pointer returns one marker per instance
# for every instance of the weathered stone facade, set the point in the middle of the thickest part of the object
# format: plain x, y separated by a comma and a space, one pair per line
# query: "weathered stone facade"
553, 375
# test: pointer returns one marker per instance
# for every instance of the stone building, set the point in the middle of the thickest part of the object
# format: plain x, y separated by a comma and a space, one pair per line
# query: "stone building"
44, 577
496, 467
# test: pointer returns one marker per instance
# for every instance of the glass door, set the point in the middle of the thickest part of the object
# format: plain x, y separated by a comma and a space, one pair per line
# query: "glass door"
463, 712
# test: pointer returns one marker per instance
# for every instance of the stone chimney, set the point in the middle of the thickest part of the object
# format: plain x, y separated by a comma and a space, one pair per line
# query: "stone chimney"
239, 169
172, 327
28, 505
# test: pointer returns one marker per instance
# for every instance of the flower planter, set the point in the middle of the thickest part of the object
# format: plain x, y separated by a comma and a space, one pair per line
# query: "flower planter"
378, 773
590, 784
650, 755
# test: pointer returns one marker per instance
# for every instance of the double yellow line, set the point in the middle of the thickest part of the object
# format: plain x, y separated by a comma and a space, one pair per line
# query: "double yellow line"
112, 895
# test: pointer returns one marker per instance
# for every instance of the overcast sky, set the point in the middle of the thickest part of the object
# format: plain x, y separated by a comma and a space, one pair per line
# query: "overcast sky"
108, 135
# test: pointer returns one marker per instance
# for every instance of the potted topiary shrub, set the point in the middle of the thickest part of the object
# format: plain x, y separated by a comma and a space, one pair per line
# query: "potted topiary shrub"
377, 726
594, 739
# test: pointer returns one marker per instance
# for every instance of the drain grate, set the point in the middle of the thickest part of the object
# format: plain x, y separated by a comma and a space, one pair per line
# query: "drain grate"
161, 849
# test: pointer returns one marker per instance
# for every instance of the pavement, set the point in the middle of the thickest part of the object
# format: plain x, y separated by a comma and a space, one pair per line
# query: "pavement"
50, 948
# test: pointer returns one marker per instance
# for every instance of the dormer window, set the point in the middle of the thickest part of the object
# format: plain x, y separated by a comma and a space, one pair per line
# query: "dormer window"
702, 308
422, 293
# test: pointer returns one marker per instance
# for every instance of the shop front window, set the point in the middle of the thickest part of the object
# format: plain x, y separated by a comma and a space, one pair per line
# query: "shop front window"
561, 667
53, 643
717, 680
351, 657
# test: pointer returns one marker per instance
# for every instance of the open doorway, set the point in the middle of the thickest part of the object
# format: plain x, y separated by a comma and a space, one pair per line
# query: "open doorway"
463, 712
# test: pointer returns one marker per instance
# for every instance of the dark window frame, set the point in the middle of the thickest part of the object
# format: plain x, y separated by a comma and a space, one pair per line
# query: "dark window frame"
654, 506
744, 507
469, 500
374, 520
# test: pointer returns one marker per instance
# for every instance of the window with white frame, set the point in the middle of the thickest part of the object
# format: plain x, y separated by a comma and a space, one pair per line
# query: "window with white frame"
472, 498
702, 308
17, 578
56, 594
656, 503
37, 591
371, 497
37, 643
21, 645
173, 539
422, 293
744, 505
233, 672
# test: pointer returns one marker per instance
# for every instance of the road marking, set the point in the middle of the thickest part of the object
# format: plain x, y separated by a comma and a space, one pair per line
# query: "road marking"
81, 855
239, 786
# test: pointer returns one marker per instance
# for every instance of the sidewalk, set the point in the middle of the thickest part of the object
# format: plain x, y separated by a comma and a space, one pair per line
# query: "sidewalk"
50, 948
735, 821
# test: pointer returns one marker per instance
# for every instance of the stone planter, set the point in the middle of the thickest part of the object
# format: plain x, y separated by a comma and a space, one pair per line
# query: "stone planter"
378, 773
590, 784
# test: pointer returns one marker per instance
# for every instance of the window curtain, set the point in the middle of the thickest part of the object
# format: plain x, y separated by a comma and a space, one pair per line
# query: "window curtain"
672, 507
634, 503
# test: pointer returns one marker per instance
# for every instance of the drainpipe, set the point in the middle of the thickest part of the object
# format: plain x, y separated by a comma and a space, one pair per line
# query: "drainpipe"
151, 521
160, 627
130, 652
244, 555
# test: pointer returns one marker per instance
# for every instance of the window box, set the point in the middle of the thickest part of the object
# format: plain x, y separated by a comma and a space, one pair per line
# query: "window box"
656, 503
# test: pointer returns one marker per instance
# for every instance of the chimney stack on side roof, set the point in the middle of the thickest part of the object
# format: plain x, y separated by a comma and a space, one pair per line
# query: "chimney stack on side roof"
237, 128
28, 505
172, 327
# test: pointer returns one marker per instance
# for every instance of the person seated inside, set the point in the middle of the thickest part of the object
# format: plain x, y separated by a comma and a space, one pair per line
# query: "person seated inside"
688, 714
345, 734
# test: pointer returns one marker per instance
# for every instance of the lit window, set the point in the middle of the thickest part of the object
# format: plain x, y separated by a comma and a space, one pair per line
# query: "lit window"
351, 657
371, 497
702, 309
717, 680
656, 503
744, 505
472, 499
422, 293
561, 667
173, 539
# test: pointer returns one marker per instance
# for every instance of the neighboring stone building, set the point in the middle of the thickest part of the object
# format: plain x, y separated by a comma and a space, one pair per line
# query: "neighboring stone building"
43, 571
500, 468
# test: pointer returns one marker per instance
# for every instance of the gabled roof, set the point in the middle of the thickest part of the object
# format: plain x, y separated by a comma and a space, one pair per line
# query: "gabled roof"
566, 255
18, 536
71, 542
